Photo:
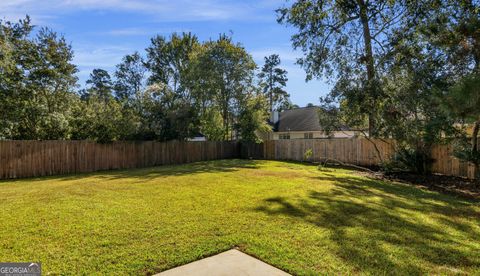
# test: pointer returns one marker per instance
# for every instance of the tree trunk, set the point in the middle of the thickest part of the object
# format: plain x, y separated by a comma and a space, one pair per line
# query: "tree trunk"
271, 90
271, 101
476, 126
225, 124
476, 129
367, 37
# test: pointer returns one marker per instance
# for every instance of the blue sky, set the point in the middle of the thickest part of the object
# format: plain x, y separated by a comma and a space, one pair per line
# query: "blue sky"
103, 31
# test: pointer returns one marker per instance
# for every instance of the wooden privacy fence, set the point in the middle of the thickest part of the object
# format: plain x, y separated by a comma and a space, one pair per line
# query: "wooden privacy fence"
354, 151
445, 163
40, 158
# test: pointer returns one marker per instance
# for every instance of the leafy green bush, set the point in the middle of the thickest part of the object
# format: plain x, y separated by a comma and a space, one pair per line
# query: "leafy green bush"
463, 151
416, 160
307, 155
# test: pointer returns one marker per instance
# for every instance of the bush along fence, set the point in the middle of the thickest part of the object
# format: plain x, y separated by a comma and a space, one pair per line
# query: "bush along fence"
20, 159
361, 152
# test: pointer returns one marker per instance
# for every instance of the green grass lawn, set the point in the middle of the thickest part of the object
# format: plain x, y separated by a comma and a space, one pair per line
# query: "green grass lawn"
293, 216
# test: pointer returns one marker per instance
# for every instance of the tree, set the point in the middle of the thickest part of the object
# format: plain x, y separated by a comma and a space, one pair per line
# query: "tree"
274, 80
11, 36
52, 79
227, 71
130, 77
36, 84
253, 118
168, 116
412, 112
129, 86
424, 63
345, 41
192, 87
211, 124
99, 85
97, 119
169, 63
463, 102
286, 105
451, 28
98, 115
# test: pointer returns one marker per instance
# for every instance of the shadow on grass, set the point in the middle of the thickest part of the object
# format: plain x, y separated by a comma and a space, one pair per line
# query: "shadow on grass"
215, 166
386, 228
147, 173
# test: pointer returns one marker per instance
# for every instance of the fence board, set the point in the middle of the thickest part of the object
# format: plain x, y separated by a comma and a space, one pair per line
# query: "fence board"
40, 158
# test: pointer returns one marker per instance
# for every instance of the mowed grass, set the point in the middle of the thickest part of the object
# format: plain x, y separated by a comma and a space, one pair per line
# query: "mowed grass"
293, 216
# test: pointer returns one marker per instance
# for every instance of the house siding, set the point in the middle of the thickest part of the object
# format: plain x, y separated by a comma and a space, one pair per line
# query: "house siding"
316, 134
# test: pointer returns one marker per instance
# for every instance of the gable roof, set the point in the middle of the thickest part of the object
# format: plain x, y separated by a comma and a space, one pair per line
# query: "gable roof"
299, 119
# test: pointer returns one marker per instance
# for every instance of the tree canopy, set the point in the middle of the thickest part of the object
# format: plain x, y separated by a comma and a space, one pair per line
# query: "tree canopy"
274, 79
180, 88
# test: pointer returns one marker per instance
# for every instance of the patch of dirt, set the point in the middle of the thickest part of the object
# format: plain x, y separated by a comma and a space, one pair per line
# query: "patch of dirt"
283, 174
453, 185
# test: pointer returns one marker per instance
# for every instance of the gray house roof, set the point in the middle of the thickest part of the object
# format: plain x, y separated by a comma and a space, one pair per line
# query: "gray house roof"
299, 119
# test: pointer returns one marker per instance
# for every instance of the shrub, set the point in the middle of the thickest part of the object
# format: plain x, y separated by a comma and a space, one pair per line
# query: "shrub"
416, 160
307, 155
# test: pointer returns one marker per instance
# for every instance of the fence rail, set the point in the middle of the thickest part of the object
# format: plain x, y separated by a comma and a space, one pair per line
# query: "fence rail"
40, 158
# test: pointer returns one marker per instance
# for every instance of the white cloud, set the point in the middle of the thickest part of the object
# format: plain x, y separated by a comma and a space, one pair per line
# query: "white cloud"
163, 10
142, 31
127, 32
100, 56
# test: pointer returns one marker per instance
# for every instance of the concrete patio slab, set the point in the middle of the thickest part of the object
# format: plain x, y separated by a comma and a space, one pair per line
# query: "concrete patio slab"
231, 263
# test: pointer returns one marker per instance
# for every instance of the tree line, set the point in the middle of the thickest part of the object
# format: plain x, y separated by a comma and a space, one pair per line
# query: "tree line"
179, 88
408, 70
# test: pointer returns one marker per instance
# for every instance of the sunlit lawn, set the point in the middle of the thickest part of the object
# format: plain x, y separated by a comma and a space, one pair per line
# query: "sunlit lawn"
293, 216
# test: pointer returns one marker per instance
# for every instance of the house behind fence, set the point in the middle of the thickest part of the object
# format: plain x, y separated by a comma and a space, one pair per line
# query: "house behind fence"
303, 123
